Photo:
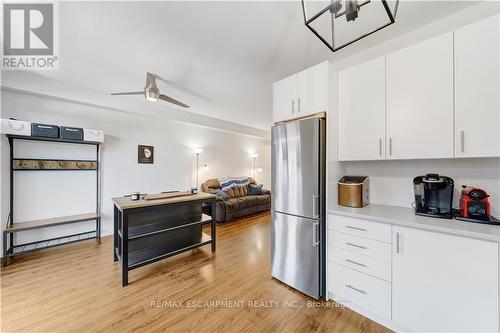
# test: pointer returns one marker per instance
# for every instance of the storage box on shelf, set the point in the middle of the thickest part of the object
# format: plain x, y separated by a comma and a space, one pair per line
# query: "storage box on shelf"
39, 131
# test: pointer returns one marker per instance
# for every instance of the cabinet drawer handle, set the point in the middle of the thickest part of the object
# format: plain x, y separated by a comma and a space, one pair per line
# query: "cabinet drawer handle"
355, 228
299, 104
390, 146
462, 141
293, 106
356, 289
355, 245
355, 263
380, 146
397, 242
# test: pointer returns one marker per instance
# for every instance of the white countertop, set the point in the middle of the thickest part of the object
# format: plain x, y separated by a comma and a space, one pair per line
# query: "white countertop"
406, 217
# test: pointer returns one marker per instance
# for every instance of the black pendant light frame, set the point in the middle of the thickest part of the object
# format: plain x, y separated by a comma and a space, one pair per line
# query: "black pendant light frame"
308, 22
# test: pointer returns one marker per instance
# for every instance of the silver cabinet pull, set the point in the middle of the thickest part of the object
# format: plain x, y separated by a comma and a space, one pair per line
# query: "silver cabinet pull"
462, 141
315, 206
316, 241
355, 245
43, 126
355, 228
390, 146
380, 146
356, 289
299, 104
397, 242
355, 263
293, 106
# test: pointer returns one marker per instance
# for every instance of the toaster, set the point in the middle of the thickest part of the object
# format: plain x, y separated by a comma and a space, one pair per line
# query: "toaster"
353, 191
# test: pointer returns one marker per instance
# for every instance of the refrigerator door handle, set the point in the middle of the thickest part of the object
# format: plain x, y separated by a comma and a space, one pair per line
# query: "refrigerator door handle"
315, 206
315, 234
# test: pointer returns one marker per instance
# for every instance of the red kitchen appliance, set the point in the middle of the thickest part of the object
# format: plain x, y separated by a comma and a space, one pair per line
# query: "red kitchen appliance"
474, 203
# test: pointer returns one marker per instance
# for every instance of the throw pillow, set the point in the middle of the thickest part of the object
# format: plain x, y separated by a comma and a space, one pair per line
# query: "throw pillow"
220, 194
255, 189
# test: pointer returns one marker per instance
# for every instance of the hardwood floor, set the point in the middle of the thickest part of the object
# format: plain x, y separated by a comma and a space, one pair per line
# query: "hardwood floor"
77, 288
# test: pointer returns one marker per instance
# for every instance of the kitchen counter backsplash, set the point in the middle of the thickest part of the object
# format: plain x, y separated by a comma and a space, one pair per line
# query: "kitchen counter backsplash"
391, 181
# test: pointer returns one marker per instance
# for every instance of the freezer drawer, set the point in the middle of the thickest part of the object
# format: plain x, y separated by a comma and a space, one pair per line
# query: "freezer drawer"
295, 251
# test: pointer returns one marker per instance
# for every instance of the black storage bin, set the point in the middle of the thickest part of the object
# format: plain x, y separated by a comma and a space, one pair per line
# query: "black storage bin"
44, 130
72, 133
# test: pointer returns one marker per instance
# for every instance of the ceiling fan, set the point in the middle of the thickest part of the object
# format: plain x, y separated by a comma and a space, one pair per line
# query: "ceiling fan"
152, 93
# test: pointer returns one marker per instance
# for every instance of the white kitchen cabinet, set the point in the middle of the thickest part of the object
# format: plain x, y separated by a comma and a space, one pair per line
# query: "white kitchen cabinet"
312, 90
444, 283
420, 100
477, 89
301, 94
361, 96
285, 98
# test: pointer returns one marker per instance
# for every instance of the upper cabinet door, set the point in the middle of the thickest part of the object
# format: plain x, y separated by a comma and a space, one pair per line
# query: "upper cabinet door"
477, 89
313, 90
444, 283
362, 111
285, 101
420, 100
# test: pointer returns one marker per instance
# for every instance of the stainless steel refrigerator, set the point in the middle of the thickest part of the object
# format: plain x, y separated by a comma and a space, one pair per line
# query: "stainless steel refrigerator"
298, 205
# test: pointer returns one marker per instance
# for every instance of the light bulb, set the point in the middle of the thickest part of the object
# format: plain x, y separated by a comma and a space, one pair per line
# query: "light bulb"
198, 150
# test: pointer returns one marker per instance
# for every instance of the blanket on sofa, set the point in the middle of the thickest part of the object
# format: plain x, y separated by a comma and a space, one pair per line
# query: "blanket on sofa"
230, 182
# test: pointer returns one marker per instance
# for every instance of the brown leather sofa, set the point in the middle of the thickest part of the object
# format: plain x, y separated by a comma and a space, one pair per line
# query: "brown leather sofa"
240, 203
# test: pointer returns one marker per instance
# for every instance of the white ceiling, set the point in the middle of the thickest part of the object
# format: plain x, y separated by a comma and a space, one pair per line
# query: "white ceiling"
220, 57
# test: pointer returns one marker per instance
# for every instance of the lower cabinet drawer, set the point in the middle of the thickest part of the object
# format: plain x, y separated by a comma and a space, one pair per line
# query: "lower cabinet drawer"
359, 245
350, 286
363, 228
364, 264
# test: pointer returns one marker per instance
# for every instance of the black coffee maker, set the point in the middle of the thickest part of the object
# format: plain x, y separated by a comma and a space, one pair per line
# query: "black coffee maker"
433, 195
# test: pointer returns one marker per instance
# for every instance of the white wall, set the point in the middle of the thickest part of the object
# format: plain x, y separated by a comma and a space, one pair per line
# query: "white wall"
391, 181
44, 194
335, 169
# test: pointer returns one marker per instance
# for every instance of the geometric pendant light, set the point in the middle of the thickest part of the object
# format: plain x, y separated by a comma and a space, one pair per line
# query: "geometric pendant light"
338, 23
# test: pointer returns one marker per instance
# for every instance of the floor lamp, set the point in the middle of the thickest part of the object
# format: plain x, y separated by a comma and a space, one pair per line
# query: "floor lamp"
197, 151
254, 156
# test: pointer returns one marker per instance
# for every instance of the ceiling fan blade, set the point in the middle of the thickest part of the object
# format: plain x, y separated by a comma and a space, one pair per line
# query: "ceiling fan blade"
173, 101
129, 93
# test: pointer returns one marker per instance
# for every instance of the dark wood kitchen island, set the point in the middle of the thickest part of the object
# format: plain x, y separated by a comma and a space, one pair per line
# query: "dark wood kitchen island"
146, 231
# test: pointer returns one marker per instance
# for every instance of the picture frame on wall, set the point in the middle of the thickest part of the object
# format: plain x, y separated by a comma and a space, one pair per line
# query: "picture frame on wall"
145, 154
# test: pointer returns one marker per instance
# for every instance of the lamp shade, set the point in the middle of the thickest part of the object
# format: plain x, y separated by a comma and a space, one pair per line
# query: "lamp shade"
339, 23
